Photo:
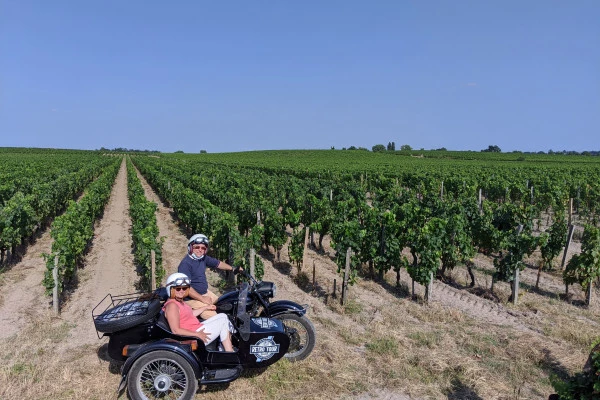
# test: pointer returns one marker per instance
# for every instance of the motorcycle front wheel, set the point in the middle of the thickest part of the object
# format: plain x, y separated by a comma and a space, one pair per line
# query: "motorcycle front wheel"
161, 375
302, 336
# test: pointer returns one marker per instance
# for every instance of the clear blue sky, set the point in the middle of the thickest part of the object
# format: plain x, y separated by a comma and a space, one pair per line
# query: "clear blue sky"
251, 75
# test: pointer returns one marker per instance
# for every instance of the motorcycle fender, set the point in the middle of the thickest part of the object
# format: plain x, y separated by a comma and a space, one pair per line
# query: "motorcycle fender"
286, 307
164, 344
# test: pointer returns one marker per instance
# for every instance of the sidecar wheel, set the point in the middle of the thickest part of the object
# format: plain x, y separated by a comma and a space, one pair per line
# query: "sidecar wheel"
161, 375
302, 336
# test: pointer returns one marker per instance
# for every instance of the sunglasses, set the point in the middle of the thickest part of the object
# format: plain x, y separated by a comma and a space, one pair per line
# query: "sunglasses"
199, 247
179, 289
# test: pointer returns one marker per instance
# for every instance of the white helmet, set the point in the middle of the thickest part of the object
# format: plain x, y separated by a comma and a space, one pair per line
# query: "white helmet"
197, 239
177, 279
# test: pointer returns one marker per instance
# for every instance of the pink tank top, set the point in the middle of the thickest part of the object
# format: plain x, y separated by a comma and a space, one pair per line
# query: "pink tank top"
187, 320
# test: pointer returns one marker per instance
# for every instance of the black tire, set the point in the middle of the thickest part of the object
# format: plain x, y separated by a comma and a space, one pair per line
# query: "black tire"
302, 336
161, 374
126, 315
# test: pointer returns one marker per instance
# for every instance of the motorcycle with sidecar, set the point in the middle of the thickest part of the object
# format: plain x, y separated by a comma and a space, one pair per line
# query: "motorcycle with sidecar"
161, 364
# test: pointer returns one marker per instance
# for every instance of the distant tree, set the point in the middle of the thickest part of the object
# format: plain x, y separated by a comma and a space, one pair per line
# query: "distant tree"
391, 146
202, 151
405, 147
441, 149
492, 149
179, 151
378, 148
352, 148
363, 149
332, 147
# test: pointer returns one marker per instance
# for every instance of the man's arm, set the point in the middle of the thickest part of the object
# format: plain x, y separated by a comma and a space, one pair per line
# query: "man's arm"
224, 266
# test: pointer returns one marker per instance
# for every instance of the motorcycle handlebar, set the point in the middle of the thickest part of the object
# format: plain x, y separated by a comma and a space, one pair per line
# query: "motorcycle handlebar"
247, 275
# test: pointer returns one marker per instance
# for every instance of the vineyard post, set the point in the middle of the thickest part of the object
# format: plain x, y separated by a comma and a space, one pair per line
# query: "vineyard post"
588, 297
531, 194
258, 217
346, 274
252, 255
230, 274
442, 191
314, 276
334, 287
55, 289
570, 211
569, 238
153, 266
306, 232
515, 286
515, 291
479, 202
428, 288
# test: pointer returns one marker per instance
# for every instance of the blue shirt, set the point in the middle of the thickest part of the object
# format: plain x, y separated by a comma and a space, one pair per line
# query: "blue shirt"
196, 271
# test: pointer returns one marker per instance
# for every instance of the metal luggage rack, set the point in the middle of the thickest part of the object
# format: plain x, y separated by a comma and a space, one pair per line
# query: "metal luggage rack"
116, 307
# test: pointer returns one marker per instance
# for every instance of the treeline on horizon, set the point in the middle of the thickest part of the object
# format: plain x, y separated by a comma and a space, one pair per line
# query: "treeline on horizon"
405, 149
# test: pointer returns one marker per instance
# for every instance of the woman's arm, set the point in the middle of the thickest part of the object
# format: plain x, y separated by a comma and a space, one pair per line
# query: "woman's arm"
172, 315
200, 310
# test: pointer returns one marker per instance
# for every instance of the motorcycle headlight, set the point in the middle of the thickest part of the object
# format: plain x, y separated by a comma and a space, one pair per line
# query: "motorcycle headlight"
266, 289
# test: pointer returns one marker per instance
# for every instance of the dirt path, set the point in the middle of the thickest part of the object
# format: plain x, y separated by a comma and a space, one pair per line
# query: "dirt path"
109, 266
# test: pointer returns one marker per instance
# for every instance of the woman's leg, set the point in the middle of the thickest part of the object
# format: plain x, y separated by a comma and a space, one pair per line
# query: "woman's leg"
219, 326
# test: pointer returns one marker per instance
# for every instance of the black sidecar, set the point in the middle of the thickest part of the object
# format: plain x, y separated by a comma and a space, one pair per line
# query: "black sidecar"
160, 364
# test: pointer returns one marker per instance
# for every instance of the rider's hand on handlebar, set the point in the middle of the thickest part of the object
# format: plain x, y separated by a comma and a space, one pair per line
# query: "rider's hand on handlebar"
238, 270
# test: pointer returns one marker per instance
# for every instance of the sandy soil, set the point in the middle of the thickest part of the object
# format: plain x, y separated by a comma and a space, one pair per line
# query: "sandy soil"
22, 287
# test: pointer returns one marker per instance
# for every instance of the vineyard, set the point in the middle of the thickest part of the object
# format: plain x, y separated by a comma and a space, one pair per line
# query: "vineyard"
470, 275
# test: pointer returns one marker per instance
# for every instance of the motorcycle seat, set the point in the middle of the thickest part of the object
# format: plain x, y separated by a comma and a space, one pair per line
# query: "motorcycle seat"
162, 322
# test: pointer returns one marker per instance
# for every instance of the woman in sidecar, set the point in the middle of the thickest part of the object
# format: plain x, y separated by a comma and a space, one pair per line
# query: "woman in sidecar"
183, 320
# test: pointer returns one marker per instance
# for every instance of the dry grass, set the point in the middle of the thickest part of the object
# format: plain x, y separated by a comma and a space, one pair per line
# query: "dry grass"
380, 339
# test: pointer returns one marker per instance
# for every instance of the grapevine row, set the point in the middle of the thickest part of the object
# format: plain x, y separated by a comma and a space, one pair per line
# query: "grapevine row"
73, 231
144, 230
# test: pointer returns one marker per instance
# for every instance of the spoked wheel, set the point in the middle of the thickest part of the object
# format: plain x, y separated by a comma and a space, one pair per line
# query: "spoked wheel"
302, 336
161, 375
